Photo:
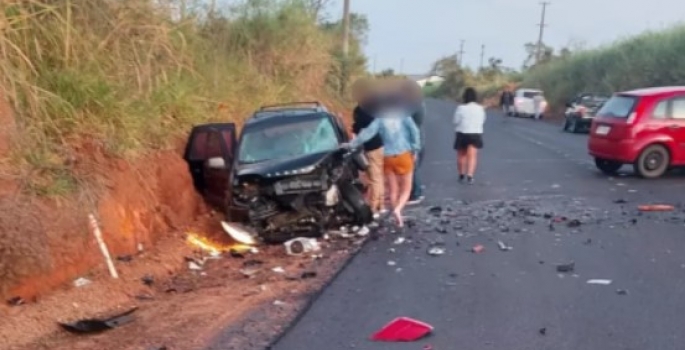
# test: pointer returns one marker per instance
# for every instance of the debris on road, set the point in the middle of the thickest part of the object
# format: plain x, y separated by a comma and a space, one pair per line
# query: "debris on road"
249, 272
600, 282
399, 240
194, 266
435, 210
543, 331
308, 274
566, 268
588, 241
301, 245
436, 251
81, 282
280, 303
620, 201
621, 292
239, 233
656, 207
278, 269
391, 263
403, 329
16, 301
574, 223
478, 249
96, 325
148, 280
125, 258
441, 229
503, 247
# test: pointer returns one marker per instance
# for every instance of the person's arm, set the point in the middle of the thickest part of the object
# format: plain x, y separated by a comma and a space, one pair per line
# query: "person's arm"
355, 121
414, 135
366, 134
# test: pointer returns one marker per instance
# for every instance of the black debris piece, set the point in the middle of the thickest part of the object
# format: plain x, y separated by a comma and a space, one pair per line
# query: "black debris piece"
445, 222
144, 297
620, 201
435, 210
236, 254
541, 262
551, 226
547, 215
529, 222
621, 292
99, 325
588, 241
16, 301
125, 258
163, 347
148, 280
543, 331
574, 223
633, 221
566, 268
441, 229
308, 274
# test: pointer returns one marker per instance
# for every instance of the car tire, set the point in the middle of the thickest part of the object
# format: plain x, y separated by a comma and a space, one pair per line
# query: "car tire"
564, 126
653, 162
355, 200
609, 167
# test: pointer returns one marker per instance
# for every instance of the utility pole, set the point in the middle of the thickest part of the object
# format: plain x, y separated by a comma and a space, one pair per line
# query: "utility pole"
374, 64
542, 24
482, 56
401, 65
461, 53
345, 47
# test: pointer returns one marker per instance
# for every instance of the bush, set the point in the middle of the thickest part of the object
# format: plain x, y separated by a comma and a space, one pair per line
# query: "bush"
650, 59
136, 74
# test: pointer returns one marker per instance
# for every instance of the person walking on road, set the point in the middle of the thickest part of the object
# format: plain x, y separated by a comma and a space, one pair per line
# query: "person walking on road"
414, 97
401, 143
537, 106
507, 101
364, 95
468, 121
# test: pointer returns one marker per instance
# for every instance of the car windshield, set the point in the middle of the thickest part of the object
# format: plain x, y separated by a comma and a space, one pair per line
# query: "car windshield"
531, 94
289, 139
619, 106
593, 100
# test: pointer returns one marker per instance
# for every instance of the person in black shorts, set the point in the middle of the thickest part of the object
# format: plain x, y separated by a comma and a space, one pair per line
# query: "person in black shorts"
469, 119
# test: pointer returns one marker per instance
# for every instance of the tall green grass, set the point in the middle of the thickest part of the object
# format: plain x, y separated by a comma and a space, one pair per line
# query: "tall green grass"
649, 59
129, 75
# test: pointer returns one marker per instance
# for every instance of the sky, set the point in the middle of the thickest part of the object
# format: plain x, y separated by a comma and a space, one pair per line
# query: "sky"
409, 35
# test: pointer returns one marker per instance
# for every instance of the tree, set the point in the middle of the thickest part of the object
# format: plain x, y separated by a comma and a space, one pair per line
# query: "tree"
387, 73
546, 55
445, 66
316, 7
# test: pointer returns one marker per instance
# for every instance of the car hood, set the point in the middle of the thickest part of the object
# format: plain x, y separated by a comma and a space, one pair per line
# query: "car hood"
281, 165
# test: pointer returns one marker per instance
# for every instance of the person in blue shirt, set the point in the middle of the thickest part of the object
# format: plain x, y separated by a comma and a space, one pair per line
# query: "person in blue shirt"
401, 143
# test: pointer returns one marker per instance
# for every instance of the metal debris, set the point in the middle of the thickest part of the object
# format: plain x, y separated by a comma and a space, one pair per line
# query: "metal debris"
600, 282
436, 251
95, 325
566, 268
503, 247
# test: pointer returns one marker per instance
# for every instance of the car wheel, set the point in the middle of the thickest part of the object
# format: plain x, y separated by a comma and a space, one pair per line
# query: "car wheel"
355, 200
609, 167
567, 124
652, 162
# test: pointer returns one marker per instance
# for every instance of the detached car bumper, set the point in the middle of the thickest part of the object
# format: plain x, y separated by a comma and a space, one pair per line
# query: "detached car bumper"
616, 150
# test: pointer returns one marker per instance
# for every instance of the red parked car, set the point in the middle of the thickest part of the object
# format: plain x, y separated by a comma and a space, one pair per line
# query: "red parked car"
645, 128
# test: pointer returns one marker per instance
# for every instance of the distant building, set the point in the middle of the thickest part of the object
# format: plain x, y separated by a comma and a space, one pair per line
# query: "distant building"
422, 80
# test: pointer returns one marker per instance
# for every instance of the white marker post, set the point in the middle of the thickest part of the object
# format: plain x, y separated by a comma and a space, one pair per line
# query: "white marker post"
103, 247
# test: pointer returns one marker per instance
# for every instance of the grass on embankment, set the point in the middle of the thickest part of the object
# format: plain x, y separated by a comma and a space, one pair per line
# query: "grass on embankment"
133, 76
649, 59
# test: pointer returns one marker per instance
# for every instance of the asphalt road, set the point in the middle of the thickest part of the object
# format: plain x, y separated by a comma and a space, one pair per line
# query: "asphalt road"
501, 300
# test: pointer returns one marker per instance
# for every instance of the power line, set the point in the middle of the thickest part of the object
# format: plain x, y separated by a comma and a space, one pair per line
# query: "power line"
542, 26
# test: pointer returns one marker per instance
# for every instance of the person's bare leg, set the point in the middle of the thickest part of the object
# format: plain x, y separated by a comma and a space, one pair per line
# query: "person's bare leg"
461, 162
404, 188
472, 159
392, 189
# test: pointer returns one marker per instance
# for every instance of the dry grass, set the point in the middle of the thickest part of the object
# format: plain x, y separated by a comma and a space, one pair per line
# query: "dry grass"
129, 75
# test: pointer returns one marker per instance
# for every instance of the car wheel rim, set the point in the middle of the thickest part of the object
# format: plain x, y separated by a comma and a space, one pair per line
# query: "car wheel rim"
653, 161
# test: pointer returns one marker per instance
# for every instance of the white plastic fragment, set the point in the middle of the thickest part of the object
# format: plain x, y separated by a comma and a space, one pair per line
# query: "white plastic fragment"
600, 282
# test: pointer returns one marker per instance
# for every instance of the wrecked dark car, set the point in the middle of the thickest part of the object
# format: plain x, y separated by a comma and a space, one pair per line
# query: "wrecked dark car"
286, 175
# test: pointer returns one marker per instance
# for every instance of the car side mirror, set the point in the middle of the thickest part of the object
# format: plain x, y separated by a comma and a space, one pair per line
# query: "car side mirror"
216, 163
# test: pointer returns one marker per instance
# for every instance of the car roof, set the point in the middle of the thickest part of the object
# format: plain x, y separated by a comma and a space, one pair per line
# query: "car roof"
654, 91
273, 117
530, 90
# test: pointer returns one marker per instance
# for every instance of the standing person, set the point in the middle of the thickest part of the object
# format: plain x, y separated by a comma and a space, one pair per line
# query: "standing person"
401, 142
468, 121
364, 95
507, 101
414, 99
537, 106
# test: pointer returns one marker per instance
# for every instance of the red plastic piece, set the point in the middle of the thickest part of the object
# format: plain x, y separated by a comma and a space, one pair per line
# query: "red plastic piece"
403, 329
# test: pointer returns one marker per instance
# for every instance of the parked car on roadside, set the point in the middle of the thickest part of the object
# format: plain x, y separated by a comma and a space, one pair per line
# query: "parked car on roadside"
524, 105
580, 111
286, 175
645, 128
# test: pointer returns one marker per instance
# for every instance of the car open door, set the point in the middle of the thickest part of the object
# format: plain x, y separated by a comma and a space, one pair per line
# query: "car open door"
676, 128
209, 154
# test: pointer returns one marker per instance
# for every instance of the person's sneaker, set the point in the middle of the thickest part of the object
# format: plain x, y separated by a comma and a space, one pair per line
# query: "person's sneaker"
470, 180
414, 201
461, 178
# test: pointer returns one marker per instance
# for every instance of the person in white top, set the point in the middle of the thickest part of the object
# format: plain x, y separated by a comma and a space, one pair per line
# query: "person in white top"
468, 124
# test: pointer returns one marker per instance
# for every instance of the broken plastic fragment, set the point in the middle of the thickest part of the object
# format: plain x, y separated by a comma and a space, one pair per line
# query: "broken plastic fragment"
656, 207
600, 282
238, 233
403, 329
99, 325
503, 247
194, 266
278, 269
566, 268
16, 301
81, 282
391, 263
478, 248
399, 240
436, 251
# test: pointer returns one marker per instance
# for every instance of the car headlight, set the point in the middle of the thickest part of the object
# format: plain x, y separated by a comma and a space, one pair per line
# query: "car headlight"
301, 171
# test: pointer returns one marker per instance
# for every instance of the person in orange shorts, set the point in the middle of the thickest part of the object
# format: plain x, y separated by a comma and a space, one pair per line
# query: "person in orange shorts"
401, 142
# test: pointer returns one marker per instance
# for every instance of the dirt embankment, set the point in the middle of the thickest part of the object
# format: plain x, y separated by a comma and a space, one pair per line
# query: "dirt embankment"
46, 242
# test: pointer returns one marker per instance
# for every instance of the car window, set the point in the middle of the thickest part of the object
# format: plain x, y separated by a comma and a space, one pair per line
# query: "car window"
661, 110
619, 106
214, 145
531, 94
678, 109
292, 139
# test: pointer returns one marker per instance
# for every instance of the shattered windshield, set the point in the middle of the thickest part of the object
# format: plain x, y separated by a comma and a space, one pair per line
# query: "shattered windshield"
291, 139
